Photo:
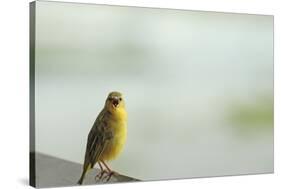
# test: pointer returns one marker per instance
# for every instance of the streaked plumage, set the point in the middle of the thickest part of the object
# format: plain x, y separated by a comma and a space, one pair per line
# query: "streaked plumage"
107, 136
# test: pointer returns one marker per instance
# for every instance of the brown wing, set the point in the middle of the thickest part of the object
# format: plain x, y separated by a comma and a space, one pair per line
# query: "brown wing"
97, 140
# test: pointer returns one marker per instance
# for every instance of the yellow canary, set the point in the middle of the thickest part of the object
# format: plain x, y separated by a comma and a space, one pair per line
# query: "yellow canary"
107, 136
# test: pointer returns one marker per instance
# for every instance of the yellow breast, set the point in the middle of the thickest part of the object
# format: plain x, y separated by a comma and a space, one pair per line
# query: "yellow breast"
118, 123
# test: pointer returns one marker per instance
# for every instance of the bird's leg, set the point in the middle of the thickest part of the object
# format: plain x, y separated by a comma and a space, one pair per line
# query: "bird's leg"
101, 173
110, 173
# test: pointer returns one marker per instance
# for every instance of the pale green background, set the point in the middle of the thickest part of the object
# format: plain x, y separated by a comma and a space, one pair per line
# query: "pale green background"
198, 87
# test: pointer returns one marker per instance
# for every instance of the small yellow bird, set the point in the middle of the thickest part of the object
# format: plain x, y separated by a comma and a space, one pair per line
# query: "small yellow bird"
107, 136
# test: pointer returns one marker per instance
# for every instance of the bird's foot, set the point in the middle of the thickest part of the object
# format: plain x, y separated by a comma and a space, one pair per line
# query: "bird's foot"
100, 175
107, 177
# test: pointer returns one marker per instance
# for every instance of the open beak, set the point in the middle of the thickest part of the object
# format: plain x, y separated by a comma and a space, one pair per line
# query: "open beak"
115, 103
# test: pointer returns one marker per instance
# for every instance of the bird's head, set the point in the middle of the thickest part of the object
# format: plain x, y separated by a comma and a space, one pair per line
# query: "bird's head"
114, 101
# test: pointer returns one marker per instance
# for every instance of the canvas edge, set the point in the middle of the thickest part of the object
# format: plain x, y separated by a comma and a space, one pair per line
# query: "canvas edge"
32, 163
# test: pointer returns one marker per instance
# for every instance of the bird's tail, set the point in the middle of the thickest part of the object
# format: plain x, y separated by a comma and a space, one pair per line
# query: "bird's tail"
85, 169
80, 181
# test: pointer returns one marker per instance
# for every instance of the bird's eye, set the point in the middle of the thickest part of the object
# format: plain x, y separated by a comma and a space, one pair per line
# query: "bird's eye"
120, 99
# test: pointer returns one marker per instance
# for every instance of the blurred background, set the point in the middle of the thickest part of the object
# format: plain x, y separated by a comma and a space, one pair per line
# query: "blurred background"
198, 87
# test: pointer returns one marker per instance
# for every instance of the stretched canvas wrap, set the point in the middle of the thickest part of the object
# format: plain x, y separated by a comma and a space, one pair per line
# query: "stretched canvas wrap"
129, 94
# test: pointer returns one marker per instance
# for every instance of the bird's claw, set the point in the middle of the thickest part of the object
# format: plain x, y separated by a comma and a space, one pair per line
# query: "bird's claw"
107, 177
100, 175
